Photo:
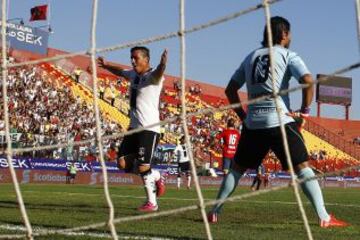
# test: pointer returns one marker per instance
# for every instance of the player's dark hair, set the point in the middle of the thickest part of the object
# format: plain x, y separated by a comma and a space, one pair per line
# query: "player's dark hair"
278, 26
231, 122
145, 51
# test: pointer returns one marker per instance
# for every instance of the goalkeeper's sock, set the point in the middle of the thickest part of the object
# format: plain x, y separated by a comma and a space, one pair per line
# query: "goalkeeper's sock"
312, 190
227, 188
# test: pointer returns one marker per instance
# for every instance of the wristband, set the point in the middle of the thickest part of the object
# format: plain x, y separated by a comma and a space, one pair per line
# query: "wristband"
305, 110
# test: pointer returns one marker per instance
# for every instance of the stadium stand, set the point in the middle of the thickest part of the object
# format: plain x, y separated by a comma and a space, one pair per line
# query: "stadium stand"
347, 129
43, 110
203, 128
332, 131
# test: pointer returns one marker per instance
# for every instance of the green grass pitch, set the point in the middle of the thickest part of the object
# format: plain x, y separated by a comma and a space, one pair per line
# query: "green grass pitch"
273, 215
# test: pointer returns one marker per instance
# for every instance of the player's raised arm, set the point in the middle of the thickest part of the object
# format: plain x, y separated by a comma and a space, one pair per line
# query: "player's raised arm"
115, 69
160, 69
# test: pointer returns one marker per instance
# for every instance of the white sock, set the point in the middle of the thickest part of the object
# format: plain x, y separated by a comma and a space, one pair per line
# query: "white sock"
189, 181
178, 182
156, 174
150, 188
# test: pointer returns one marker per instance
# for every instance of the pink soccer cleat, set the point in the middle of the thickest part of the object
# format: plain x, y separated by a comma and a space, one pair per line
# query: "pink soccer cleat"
148, 207
160, 185
333, 222
212, 217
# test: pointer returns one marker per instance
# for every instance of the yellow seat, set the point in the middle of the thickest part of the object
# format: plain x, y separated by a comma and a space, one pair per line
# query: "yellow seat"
315, 143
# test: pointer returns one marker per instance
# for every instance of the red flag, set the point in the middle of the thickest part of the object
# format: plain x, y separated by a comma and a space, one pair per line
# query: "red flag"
38, 13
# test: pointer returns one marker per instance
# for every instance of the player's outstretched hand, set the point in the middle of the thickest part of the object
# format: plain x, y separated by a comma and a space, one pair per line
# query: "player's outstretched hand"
101, 62
163, 59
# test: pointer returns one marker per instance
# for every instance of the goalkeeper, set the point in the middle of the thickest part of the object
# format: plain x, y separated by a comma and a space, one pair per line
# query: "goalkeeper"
261, 126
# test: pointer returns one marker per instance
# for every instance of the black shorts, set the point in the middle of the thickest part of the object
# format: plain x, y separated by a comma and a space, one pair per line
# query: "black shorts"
184, 167
255, 144
142, 144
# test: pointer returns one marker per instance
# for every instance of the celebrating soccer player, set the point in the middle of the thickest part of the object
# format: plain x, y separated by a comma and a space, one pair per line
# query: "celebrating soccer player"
136, 150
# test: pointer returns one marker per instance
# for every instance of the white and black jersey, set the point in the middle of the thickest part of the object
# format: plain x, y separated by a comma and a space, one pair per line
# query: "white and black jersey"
181, 153
144, 99
182, 159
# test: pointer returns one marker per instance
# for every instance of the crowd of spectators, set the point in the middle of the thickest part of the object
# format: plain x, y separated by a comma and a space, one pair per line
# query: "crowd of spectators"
356, 140
195, 89
203, 128
44, 111
318, 154
115, 93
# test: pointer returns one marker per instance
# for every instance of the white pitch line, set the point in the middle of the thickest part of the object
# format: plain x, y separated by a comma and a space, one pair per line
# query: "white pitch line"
108, 236
295, 203
90, 234
38, 229
208, 199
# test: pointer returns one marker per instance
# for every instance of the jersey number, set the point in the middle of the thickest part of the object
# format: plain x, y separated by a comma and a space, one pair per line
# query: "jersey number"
260, 71
232, 139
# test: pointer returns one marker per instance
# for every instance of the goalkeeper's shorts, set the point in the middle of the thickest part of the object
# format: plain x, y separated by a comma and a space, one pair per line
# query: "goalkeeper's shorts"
255, 144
